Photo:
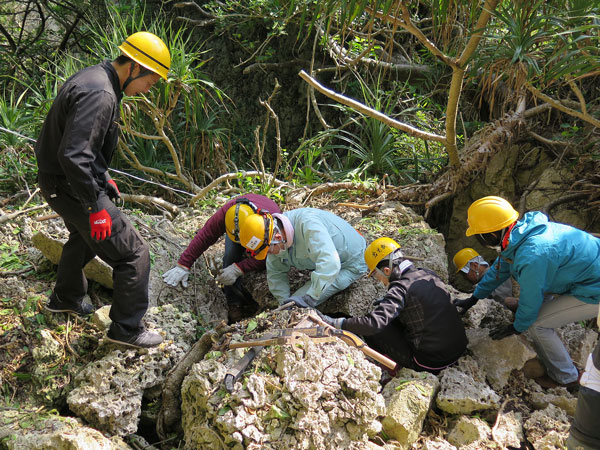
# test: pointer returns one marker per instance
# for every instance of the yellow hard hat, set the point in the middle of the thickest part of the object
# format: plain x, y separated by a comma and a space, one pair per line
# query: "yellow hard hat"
462, 257
256, 234
379, 249
489, 214
149, 51
235, 217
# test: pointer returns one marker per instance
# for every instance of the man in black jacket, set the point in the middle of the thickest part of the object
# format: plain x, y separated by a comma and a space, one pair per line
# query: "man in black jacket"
414, 324
74, 150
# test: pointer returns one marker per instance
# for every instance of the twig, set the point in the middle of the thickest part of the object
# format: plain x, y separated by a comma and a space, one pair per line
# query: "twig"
233, 176
7, 217
8, 273
497, 423
46, 217
30, 197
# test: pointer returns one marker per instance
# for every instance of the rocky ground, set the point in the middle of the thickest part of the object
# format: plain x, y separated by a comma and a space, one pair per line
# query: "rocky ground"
63, 386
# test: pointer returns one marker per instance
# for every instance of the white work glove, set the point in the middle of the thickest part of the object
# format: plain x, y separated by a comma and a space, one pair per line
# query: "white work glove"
176, 275
229, 274
591, 377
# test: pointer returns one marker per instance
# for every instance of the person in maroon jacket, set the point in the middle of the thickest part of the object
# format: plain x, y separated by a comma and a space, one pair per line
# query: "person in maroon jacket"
227, 220
415, 323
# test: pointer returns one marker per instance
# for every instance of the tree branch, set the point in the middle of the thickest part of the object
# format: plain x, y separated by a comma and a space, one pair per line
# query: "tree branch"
370, 112
233, 176
556, 104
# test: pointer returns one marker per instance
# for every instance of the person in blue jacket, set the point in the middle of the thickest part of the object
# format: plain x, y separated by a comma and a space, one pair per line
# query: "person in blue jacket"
308, 239
544, 258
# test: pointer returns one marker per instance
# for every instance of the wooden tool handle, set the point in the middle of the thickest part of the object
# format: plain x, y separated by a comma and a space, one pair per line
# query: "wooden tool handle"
387, 362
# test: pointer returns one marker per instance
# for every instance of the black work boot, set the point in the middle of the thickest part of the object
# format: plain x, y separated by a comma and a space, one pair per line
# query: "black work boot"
56, 305
141, 339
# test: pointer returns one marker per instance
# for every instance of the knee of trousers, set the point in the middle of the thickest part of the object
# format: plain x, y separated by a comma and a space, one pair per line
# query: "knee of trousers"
536, 332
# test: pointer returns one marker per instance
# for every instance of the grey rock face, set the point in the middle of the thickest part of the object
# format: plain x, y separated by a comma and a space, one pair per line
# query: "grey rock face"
498, 358
309, 396
408, 398
109, 391
460, 393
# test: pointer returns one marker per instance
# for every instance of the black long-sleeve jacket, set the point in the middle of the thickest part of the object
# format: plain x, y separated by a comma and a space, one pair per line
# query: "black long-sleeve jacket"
81, 130
418, 303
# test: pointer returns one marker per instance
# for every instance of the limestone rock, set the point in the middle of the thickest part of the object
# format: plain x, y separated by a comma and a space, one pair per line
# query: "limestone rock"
101, 317
487, 312
461, 394
579, 341
303, 397
62, 433
547, 429
438, 444
468, 430
109, 391
559, 397
48, 349
508, 431
96, 269
498, 358
408, 398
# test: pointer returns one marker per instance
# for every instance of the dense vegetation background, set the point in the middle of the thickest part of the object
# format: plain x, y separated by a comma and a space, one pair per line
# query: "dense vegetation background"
436, 73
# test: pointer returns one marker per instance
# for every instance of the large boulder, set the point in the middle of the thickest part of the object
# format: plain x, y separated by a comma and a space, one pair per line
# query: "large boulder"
498, 358
461, 393
408, 398
307, 396
109, 391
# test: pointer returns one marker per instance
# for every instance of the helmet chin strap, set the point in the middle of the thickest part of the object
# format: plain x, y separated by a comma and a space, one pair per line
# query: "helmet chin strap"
143, 73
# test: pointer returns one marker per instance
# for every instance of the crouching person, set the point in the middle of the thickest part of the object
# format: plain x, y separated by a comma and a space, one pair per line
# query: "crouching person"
415, 323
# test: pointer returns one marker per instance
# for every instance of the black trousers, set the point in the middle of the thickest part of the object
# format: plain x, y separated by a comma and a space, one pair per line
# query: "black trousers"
392, 342
125, 251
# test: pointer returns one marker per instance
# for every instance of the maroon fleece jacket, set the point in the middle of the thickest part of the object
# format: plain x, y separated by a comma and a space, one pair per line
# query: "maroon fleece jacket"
214, 228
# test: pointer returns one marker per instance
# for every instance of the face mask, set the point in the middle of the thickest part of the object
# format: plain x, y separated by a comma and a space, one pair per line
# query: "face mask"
489, 240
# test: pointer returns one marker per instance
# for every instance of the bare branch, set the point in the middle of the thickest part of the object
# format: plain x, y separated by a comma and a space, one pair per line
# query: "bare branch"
558, 105
234, 176
406, 23
371, 112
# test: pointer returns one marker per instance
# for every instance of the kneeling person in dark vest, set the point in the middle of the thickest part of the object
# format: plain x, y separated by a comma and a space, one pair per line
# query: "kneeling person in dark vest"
415, 323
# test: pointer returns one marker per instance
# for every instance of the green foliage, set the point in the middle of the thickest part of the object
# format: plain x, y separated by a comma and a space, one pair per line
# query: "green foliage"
540, 43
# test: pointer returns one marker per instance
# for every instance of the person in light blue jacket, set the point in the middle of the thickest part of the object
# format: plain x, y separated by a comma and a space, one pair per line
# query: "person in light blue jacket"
543, 257
308, 239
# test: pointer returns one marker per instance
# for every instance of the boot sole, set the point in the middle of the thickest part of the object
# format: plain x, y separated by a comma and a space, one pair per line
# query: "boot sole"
68, 311
128, 344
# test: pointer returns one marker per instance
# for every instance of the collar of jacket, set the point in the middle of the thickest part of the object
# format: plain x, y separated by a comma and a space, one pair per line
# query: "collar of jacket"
113, 77
400, 269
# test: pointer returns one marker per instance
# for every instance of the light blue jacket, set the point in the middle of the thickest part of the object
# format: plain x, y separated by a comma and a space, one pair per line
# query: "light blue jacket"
323, 243
545, 257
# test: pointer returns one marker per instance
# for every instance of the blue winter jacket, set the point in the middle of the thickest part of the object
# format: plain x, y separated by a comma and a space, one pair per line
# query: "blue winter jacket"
545, 257
323, 243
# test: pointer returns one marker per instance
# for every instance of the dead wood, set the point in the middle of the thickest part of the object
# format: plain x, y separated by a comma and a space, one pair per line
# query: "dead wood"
158, 203
170, 410
7, 217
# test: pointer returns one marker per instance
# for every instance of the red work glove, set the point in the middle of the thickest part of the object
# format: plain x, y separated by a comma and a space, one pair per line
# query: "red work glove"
113, 190
100, 224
